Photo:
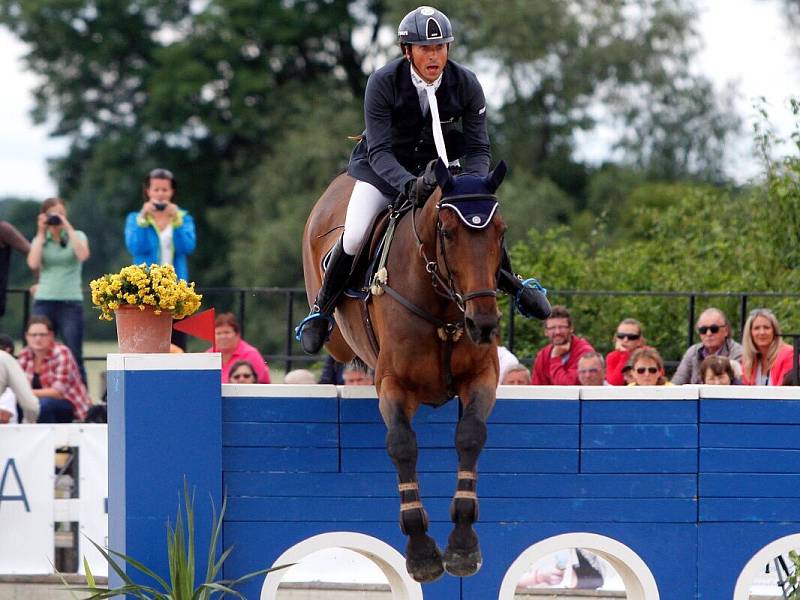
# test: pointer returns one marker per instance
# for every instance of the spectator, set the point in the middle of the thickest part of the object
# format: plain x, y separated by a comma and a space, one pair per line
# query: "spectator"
517, 374
357, 374
243, 372
715, 340
10, 239
332, 371
53, 374
300, 377
557, 362
8, 400
229, 342
507, 359
717, 370
161, 232
648, 367
592, 369
12, 377
57, 252
628, 338
766, 357
790, 379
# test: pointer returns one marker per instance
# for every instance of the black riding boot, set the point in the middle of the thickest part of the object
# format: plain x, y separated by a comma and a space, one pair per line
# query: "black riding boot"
315, 329
529, 299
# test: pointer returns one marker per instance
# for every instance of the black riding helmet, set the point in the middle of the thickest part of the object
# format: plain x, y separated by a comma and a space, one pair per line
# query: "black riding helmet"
425, 26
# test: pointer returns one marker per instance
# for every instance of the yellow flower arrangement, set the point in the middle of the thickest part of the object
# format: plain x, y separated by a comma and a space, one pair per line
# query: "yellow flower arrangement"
139, 285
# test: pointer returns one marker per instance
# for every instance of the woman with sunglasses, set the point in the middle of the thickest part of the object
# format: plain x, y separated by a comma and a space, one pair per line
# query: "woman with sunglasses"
767, 358
714, 332
627, 339
243, 372
648, 367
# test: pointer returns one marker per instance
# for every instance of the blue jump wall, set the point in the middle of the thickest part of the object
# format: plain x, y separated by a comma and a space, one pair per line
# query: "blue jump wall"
694, 480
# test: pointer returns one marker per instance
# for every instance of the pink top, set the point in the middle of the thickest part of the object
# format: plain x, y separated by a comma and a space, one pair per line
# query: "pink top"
781, 366
245, 351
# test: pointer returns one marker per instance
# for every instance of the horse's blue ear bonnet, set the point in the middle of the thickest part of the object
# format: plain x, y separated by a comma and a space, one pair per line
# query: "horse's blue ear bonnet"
470, 196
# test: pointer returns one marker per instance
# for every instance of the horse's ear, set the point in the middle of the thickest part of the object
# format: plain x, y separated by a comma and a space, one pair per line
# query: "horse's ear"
443, 176
496, 177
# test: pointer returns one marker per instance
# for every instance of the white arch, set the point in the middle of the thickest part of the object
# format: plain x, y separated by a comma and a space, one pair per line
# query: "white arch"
639, 581
755, 565
388, 560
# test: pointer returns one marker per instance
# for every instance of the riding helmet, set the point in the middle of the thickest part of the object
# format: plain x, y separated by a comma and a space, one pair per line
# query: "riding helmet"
425, 26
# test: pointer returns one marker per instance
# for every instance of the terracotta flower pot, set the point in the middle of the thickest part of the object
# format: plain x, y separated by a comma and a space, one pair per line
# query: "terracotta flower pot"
143, 331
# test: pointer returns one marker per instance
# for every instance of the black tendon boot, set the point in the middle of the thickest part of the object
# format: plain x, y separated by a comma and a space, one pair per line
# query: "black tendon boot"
315, 329
529, 296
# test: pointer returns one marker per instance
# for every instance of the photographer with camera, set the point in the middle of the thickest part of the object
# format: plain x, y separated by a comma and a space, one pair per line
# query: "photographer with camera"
58, 251
161, 232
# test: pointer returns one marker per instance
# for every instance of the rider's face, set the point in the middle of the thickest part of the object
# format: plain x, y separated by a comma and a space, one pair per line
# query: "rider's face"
429, 61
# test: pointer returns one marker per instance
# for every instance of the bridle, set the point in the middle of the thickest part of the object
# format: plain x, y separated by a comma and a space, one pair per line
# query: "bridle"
447, 287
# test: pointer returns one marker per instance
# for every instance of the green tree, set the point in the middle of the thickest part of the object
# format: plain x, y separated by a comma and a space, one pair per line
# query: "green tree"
563, 66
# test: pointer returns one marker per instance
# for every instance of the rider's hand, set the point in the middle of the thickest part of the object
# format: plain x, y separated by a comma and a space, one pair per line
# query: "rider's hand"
411, 192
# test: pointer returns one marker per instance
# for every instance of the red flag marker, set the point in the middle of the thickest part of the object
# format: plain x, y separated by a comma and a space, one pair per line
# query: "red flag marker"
200, 325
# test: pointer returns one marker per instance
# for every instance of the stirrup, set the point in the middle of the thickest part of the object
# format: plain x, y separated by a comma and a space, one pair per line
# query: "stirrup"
531, 283
313, 315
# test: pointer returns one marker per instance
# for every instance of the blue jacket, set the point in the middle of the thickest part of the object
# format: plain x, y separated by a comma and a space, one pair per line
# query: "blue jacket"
143, 243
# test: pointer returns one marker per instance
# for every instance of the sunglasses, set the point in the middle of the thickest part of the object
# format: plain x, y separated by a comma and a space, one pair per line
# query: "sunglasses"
590, 370
242, 376
631, 336
709, 329
643, 370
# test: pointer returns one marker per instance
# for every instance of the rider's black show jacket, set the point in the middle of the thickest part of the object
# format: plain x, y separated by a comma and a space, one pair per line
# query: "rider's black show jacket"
398, 140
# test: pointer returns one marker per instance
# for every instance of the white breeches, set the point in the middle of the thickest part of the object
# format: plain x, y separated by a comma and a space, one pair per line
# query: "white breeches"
366, 202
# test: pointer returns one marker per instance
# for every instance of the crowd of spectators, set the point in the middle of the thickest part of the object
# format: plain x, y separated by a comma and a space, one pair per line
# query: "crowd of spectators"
762, 357
47, 383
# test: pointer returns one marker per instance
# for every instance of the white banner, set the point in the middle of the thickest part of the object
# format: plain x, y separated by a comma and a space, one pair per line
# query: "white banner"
93, 496
27, 467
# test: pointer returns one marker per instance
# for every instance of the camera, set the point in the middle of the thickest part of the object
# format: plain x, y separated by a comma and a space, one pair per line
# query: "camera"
53, 220
160, 205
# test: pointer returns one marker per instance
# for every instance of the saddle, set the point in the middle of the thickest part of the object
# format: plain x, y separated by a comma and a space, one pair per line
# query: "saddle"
367, 258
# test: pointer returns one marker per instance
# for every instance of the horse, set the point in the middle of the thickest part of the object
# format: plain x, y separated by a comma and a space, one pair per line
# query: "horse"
441, 267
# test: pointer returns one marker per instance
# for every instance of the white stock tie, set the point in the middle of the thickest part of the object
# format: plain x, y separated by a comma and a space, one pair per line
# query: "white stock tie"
428, 101
438, 136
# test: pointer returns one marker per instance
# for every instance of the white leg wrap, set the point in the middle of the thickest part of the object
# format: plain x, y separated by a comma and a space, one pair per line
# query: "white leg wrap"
366, 201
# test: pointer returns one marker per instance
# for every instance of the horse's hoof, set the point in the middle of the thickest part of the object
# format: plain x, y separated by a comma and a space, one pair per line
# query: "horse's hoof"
426, 566
462, 564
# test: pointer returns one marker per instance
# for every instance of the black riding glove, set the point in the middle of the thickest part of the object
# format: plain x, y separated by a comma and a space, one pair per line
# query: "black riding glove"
411, 192
419, 190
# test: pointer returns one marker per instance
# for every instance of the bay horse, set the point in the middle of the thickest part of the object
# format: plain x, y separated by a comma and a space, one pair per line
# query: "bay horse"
442, 268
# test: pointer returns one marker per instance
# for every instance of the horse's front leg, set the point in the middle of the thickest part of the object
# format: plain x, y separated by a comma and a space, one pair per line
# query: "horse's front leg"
423, 558
463, 554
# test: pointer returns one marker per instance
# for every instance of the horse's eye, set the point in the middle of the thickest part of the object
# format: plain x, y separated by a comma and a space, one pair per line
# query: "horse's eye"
447, 234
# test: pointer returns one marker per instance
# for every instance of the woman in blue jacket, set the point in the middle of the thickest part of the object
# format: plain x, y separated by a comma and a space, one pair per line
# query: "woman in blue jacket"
161, 232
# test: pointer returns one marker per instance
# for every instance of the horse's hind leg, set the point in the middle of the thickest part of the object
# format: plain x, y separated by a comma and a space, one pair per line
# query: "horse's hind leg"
423, 558
463, 555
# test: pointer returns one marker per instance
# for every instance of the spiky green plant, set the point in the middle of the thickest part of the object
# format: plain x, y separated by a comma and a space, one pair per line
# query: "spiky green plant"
182, 565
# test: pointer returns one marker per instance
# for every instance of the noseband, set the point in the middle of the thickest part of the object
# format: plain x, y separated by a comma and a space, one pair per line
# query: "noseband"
446, 286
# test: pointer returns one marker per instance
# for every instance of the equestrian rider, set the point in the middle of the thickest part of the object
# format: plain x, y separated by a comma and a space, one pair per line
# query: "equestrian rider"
399, 141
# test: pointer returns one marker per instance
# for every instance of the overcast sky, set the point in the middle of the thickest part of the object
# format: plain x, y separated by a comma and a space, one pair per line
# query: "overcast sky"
747, 41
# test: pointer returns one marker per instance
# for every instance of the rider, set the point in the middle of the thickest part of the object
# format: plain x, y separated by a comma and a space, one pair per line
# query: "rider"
399, 141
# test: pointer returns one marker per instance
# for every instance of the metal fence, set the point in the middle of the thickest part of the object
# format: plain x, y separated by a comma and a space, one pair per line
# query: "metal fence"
294, 305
